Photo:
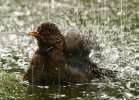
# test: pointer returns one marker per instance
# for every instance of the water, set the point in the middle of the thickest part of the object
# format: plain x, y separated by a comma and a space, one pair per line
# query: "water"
111, 24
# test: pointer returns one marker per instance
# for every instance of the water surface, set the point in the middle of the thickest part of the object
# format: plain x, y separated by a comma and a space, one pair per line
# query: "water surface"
113, 25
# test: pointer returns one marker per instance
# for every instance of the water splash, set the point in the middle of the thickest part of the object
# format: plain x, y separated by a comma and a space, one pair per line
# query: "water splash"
108, 23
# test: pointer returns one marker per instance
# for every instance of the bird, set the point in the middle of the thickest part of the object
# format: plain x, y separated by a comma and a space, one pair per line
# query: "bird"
61, 59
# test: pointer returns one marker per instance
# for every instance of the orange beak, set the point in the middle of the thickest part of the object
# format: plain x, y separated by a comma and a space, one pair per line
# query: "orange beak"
34, 33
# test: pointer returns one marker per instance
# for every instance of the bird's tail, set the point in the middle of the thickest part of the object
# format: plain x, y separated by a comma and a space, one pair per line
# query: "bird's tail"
103, 72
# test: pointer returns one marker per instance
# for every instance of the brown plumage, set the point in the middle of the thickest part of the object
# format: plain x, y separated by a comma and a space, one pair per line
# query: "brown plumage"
61, 58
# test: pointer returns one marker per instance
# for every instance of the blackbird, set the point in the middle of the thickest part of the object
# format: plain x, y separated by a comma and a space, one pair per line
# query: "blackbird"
61, 59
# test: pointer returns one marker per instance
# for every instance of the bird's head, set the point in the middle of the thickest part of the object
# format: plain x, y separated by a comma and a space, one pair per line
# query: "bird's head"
48, 36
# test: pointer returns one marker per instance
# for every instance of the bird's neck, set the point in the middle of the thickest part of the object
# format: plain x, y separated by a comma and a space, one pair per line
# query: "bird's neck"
42, 48
45, 51
50, 47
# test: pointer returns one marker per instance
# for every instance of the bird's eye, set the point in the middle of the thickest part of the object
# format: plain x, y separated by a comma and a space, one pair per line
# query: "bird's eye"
44, 33
48, 33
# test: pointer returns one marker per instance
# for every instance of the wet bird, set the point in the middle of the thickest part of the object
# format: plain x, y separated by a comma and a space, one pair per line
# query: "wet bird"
61, 59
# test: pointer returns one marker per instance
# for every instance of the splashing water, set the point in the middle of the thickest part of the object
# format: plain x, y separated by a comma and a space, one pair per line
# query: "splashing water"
111, 25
